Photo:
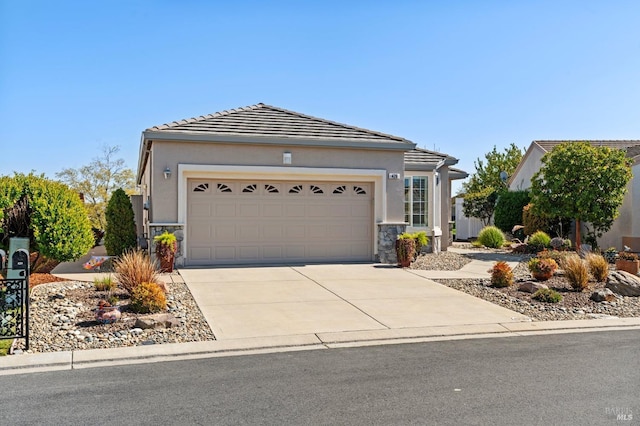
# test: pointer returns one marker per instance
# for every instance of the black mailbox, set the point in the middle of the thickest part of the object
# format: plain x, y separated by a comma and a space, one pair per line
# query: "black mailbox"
20, 260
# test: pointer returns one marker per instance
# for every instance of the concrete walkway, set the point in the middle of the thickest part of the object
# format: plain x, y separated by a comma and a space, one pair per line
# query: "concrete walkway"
287, 308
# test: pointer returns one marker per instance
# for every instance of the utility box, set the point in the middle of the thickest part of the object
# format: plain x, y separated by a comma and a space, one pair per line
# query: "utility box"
18, 259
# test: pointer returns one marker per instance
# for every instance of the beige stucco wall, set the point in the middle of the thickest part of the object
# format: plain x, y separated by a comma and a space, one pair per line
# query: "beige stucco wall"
522, 179
164, 192
625, 225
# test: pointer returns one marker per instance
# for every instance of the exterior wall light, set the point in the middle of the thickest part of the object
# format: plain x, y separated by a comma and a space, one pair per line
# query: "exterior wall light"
167, 172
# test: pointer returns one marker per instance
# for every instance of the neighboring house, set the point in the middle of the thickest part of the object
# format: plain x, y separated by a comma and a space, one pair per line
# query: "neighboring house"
262, 184
626, 228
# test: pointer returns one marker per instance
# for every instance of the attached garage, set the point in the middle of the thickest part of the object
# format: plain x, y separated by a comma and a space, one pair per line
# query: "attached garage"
271, 221
266, 185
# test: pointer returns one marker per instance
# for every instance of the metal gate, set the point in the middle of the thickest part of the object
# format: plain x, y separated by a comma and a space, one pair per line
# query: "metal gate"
14, 309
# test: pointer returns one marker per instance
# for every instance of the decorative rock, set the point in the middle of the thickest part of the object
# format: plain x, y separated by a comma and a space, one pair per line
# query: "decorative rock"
157, 321
531, 287
624, 283
604, 295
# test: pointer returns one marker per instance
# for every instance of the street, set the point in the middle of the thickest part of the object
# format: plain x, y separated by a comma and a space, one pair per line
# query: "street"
581, 378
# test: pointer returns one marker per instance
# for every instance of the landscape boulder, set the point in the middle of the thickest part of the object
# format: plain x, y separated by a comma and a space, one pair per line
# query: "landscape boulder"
531, 287
157, 321
624, 283
603, 295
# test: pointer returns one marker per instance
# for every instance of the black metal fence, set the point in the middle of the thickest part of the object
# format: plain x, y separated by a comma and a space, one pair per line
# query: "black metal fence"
14, 309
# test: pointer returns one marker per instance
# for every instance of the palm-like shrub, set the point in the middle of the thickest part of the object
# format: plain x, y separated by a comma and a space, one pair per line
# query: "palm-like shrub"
492, 237
576, 272
501, 274
120, 235
134, 268
598, 266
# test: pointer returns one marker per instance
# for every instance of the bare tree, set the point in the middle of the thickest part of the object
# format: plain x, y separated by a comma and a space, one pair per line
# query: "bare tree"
98, 180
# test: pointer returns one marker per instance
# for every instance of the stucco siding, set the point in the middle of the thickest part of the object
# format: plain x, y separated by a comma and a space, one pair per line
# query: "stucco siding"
532, 163
169, 154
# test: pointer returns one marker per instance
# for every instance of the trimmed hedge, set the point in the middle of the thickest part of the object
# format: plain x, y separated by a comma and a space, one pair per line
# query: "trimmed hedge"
509, 207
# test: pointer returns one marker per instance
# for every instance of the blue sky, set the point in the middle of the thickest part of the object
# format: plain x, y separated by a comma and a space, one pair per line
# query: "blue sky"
455, 76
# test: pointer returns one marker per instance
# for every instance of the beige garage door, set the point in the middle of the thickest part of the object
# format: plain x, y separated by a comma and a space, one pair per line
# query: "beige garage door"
278, 222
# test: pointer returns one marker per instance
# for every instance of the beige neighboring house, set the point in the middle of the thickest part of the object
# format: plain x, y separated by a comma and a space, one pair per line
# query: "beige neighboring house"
264, 185
626, 228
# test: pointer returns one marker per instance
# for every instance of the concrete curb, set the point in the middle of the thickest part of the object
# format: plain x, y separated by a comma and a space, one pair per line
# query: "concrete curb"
53, 361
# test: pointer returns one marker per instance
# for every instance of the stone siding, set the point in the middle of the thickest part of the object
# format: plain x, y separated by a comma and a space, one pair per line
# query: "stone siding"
387, 236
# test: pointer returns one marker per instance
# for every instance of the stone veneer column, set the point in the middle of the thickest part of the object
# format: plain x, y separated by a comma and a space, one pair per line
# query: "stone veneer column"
387, 236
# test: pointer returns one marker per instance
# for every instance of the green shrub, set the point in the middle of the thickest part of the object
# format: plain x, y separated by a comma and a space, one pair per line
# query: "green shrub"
539, 240
576, 272
133, 268
104, 283
147, 297
508, 212
491, 237
420, 239
547, 295
120, 235
501, 274
58, 225
598, 266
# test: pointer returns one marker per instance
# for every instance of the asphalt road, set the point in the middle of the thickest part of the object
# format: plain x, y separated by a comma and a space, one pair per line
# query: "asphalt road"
583, 378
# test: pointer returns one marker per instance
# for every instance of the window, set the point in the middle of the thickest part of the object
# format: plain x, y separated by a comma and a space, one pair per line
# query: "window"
416, 201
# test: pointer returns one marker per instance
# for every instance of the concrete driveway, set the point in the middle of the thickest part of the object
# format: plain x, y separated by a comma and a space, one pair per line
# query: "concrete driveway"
244, 302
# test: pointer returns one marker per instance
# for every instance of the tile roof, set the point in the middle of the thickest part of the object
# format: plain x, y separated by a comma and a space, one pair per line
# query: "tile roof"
633, 151
424, 156
619, 144
262, 120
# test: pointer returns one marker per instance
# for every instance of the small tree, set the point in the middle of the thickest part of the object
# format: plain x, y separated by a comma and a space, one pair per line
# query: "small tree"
486, 184
480, 204
103, 175
120, 234
58, 226
583, 182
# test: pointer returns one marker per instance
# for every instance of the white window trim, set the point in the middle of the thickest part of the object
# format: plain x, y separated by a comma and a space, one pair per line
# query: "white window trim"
430, 200
200, 171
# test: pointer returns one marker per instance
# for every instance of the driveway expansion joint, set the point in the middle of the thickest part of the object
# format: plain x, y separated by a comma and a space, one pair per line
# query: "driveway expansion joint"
341, 298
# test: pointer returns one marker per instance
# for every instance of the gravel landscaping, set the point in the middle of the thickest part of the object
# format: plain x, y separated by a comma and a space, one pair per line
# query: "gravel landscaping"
62, 318
575, 305
63, 313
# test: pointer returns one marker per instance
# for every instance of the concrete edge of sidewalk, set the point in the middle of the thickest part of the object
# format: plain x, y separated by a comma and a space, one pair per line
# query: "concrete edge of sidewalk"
68, 360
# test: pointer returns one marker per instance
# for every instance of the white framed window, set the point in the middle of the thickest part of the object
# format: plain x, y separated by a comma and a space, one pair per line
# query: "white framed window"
416, 201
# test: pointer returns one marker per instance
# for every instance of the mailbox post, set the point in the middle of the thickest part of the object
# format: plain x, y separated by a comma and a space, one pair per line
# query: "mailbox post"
17, 285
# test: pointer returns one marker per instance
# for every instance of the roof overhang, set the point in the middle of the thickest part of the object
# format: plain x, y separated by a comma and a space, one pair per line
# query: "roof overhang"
149, 136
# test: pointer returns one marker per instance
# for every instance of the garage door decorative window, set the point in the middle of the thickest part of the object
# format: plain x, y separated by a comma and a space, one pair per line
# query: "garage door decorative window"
203, 187
223, 187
